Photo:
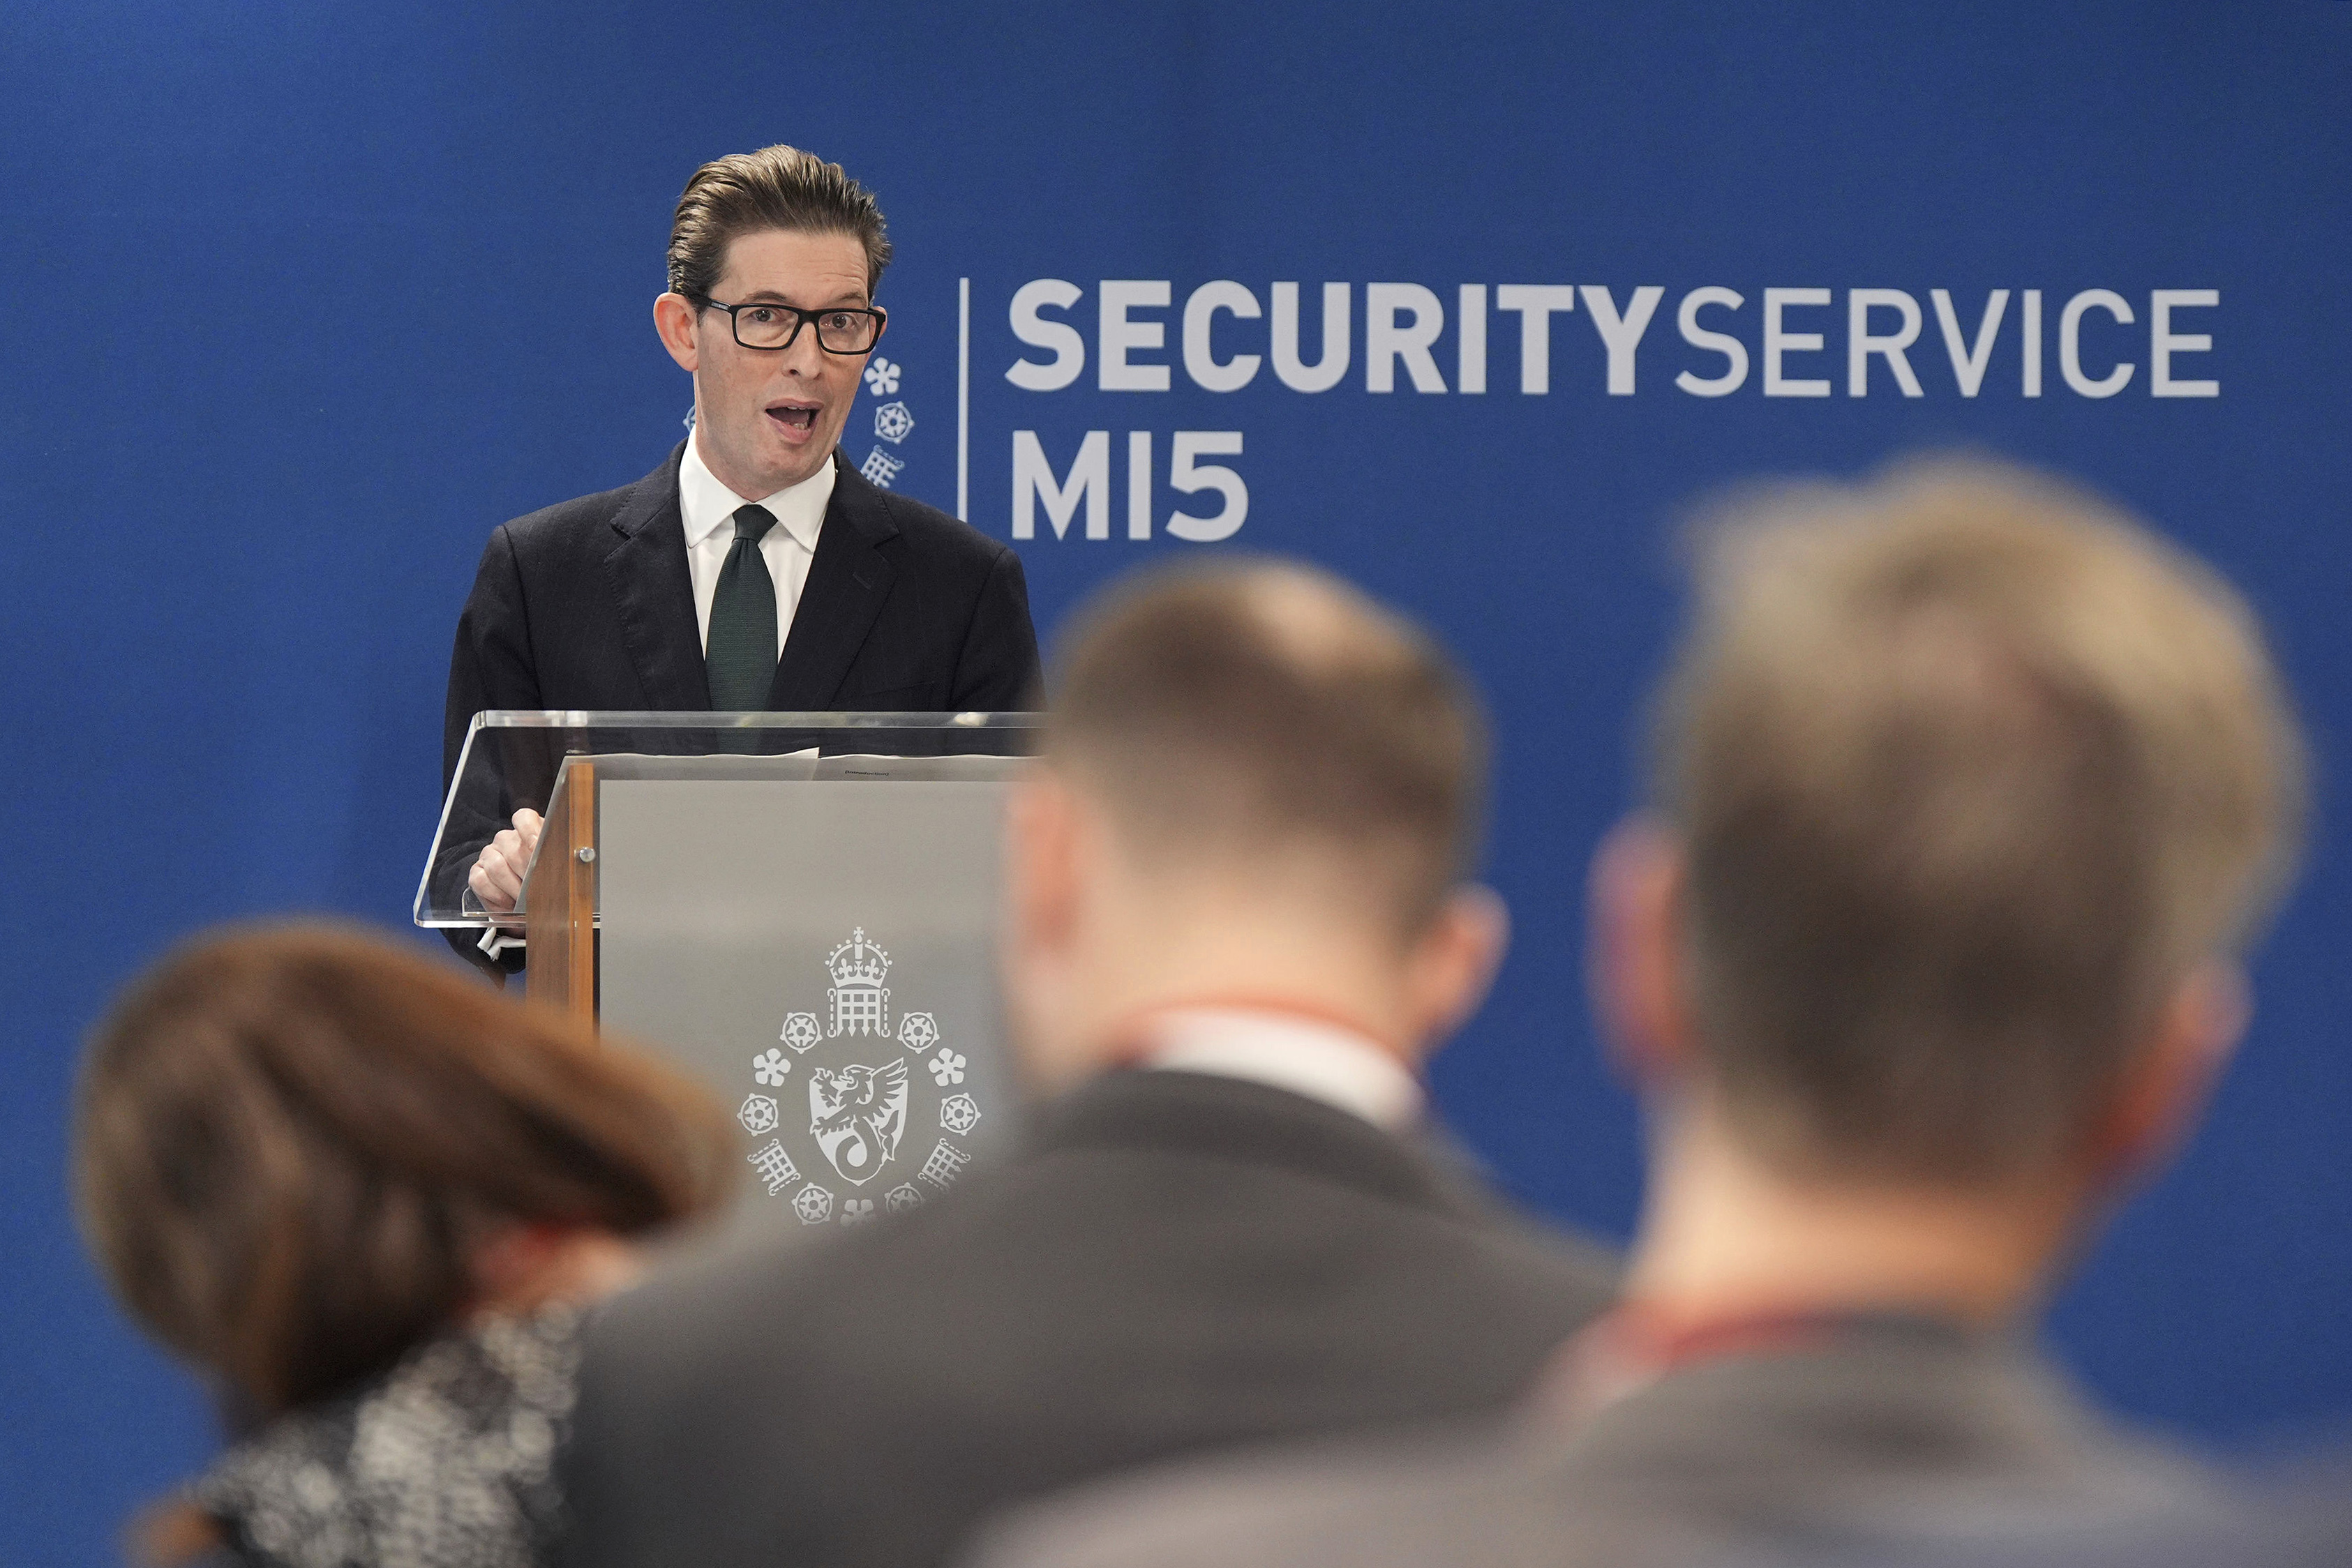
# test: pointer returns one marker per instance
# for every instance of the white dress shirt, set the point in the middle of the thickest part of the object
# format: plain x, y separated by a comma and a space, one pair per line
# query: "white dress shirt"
709, 507
1288, 1051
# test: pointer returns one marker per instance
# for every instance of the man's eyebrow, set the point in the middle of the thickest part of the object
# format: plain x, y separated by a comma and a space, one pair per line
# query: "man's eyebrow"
850, 298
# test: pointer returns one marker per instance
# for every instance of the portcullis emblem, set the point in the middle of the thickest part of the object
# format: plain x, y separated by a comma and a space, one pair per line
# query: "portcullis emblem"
861, 1002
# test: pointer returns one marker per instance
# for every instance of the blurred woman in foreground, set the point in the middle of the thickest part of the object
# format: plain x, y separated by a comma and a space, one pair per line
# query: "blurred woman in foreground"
366, 1196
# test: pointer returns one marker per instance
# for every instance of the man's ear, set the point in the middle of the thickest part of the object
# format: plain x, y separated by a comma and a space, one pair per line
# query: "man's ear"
1452, 965
1046, 844
1634, 954
674, 322
2161, 1095
1041, 879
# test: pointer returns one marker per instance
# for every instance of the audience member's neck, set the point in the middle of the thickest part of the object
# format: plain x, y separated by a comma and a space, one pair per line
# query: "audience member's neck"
1724, 1235
524, 1268
1240, 955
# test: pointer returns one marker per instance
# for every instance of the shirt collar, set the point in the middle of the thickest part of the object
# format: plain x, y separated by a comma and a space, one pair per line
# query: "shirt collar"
1305, 1055
705, 504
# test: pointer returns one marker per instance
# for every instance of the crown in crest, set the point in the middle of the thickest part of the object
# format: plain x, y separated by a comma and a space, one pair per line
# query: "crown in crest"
858, 962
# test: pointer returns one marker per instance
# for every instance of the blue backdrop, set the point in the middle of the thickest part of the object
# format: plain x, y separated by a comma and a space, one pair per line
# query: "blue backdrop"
300, 301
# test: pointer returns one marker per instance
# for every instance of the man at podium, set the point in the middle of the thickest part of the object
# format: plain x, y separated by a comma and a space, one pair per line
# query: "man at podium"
753, 568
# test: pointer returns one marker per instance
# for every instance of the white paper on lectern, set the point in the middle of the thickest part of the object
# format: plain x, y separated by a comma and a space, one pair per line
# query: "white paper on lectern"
972, 769
791, 767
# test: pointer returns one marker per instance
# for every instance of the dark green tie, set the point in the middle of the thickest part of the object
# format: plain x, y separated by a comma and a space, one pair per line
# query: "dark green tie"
738, 658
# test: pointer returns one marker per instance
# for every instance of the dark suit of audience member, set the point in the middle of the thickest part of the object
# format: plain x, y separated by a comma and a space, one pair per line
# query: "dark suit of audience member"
1174, 1262
2297, 1514
1970, 793
1867, 1446
1231, 1229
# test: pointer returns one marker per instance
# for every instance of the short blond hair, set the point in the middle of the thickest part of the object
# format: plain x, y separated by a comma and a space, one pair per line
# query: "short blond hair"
1235, 710
1971, 770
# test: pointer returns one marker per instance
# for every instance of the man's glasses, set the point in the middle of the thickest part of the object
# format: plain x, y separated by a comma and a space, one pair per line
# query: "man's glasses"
839, 330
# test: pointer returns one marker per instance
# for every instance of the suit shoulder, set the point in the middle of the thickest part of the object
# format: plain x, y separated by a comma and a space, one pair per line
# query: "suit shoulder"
1546, 1249
938, 538
568, 521
1411, 1496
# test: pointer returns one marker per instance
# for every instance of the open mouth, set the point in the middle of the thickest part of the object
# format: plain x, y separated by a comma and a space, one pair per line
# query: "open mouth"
798, 418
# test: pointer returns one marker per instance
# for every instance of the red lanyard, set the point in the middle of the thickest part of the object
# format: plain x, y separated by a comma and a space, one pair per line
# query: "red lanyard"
1630, 1348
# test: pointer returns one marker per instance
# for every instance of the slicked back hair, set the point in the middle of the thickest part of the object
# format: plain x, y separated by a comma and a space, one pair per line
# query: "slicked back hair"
777, 187
1247, 713
1971, 771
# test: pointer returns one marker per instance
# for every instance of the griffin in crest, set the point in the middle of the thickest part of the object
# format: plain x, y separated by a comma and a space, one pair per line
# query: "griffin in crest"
857, 1116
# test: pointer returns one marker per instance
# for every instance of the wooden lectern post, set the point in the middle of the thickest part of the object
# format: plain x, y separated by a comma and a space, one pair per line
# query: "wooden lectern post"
560, 899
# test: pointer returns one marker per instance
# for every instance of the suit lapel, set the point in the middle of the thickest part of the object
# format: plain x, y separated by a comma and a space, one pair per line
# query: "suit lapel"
656, 593
848, 580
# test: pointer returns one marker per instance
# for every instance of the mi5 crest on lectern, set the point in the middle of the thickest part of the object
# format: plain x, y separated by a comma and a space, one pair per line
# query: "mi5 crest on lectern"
798, 908
864, 1093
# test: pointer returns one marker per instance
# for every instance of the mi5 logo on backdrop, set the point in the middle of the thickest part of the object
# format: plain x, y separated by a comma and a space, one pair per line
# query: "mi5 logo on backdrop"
1126, 334
1717, 346
1087, 485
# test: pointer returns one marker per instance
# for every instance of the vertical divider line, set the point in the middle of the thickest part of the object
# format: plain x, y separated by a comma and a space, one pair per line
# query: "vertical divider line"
963, 398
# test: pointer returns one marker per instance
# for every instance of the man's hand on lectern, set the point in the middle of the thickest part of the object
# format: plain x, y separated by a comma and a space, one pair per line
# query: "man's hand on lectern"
497, 876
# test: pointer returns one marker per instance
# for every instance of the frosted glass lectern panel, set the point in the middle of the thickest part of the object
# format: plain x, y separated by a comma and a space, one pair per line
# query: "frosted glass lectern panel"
822, 954
798, 909
512, 758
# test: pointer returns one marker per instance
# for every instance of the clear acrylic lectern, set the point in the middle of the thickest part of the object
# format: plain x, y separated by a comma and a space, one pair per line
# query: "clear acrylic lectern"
800, 909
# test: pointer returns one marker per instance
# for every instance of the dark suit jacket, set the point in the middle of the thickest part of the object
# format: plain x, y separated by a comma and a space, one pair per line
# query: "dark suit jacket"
1172, 1262
588, 604
1902, 1440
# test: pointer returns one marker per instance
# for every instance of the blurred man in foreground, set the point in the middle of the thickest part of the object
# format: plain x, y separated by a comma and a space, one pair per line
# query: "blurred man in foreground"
1237, 923
1968, 793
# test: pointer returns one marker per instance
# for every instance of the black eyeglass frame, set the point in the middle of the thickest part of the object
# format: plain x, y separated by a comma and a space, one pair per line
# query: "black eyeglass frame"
804, 320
